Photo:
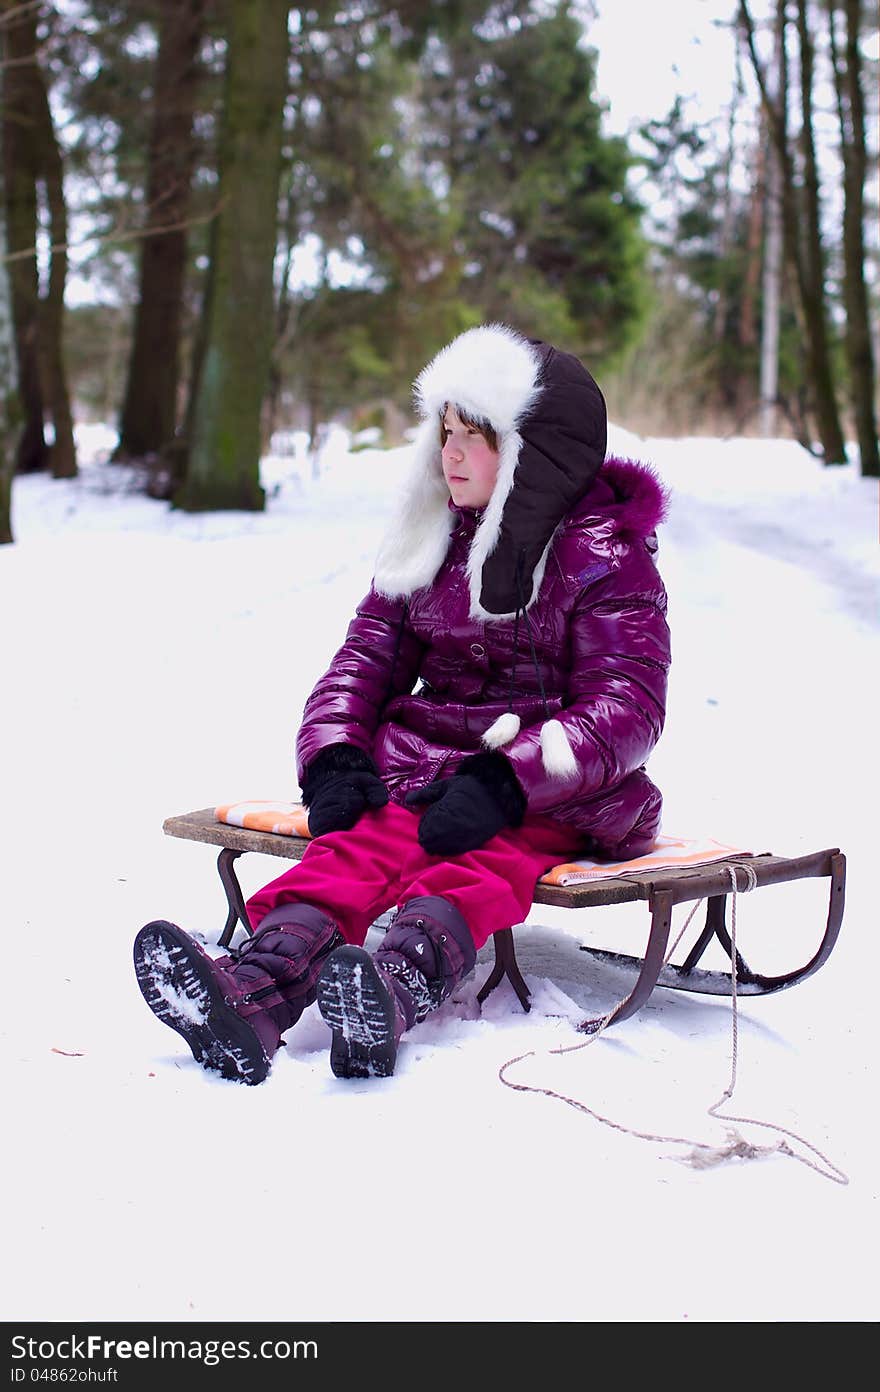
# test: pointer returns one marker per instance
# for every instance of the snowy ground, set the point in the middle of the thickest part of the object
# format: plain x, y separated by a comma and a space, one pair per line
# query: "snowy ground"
155, 663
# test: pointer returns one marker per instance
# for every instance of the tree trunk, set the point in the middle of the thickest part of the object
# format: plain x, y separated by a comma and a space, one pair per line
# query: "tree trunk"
859, 348
62, 456
9, 412
747, 336
149, 413
773, 242
771, 296
32, 157
20, 179
223, 467
726, 232
314, 423
171, 478
828, 418
283, 321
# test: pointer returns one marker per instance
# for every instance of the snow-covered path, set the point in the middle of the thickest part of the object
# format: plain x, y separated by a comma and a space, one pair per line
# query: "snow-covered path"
157, 663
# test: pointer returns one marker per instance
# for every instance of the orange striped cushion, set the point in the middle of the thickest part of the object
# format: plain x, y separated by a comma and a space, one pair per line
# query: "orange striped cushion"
291, 819
282, 818
668, 852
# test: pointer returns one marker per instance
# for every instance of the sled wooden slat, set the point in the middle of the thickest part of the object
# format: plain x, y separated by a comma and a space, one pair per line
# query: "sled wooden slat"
661, 889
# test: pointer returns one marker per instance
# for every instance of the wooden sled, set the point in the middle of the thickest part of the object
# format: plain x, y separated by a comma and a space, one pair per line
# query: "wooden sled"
661, 889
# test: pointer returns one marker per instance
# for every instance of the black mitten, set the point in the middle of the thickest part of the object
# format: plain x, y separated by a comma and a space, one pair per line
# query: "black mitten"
469, 808
338, 786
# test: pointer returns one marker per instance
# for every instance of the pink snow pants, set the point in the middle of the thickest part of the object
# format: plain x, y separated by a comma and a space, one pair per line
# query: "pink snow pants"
378, 864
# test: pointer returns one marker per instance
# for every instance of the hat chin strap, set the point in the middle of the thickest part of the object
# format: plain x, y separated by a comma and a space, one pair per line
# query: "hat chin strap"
557, 755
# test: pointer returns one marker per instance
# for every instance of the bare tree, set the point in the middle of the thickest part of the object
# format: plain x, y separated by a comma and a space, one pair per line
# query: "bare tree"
813, 292
149, 412
801, 225
33, 165
773, 241
8, 373
857, 338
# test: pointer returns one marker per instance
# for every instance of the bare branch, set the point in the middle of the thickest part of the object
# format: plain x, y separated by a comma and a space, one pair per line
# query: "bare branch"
31, 60
11, 14
769, 106
135, 234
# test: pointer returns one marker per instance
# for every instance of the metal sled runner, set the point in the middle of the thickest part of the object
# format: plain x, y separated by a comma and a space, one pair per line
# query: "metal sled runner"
662, 890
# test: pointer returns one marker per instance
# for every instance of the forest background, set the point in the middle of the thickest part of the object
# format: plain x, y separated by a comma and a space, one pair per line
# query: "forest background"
224, 221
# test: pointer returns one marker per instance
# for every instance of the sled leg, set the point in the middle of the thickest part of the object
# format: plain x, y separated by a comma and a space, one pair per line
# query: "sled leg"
715, 928
702, 942
689, 977
505, 965
755, 983
652, 963
234, 897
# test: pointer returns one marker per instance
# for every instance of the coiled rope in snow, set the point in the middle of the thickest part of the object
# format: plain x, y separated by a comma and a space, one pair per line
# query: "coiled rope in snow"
701, 1155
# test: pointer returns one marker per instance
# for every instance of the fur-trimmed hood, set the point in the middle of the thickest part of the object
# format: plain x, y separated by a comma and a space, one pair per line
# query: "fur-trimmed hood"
628, 496
550, 420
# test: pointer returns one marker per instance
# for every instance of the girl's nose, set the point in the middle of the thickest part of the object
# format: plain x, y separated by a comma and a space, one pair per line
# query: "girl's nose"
452, 451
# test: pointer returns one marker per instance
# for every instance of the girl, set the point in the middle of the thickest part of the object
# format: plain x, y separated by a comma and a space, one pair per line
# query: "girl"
488, 716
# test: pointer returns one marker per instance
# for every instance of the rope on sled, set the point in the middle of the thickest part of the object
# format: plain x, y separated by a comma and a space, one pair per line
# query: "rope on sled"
701, 1155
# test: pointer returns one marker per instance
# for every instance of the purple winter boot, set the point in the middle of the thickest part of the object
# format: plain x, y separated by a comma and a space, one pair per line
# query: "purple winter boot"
233, 1010
369, 1002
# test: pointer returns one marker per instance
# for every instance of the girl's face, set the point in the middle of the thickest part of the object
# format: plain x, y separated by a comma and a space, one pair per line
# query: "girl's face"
470, 464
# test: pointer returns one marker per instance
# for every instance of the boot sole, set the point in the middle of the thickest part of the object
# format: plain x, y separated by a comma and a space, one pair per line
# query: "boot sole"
359, 1009
178, 985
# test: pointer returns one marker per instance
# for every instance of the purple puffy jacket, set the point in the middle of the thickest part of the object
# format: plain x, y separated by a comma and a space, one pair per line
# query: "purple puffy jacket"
417, 681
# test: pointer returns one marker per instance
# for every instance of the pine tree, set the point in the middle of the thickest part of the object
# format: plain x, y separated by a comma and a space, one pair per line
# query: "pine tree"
547, 227
461, 171
705, 258
355, 184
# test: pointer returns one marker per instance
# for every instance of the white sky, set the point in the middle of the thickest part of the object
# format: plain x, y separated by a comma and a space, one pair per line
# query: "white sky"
648, 52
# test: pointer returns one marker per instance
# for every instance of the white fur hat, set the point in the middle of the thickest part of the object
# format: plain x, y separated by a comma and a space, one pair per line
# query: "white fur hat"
549, 417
